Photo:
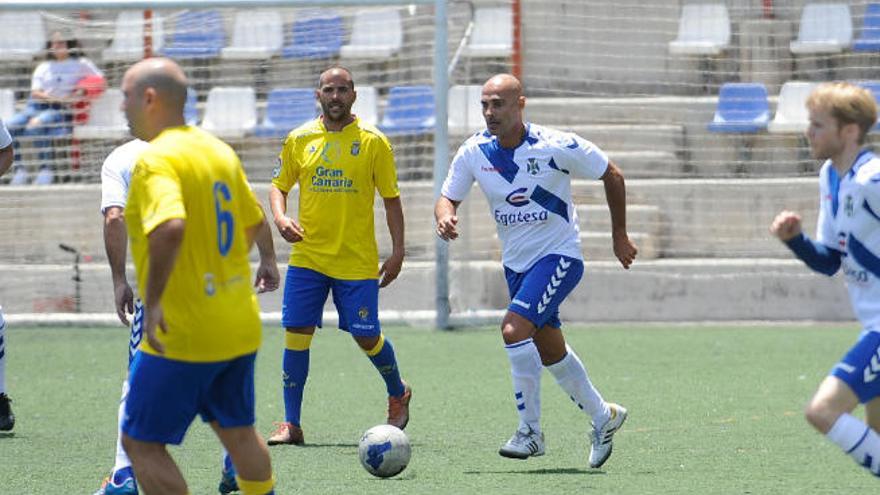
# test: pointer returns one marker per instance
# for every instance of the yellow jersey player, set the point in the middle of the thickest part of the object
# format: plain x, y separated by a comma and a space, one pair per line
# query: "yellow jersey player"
191, 220
339, 163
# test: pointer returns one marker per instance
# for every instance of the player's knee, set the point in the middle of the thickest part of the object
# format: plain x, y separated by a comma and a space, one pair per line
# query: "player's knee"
820, 416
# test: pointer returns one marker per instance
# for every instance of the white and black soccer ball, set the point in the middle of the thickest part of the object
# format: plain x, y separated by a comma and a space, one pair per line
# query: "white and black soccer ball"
384, 451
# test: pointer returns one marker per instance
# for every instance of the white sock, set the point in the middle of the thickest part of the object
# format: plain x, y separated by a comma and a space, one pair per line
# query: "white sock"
858, 441
2, 353
525, 368
572, 377
122, 460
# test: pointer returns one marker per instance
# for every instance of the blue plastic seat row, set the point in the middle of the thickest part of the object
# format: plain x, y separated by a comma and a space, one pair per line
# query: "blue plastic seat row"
201, 34
744, 107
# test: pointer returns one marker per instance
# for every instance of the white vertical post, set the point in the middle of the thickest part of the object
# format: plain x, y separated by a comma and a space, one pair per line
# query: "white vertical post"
441, 157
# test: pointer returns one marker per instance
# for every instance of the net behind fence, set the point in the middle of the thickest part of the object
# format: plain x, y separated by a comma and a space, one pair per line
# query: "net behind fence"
699, 103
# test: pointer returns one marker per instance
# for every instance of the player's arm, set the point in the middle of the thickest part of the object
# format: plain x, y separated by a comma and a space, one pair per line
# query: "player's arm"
6, 151
164, 244
445, 215
116, 245
287, 227
787, 227
615, 196
394, 218
267, 277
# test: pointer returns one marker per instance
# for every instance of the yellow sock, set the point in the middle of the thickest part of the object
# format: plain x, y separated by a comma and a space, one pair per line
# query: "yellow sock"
256, 487
378, 347
297, 341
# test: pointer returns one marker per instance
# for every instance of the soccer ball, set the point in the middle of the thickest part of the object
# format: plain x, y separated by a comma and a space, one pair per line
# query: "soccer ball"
384, 451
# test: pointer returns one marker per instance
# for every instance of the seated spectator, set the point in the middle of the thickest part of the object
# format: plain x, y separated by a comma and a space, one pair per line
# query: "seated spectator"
55, 89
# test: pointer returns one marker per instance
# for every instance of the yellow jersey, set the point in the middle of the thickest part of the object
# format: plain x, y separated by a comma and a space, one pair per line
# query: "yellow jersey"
338, 175
209, 304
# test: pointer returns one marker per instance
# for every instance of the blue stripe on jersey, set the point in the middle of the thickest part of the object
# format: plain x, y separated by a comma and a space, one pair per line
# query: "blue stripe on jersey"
552, 164
870, 211
550, 202
834, 189
865, 257
501, 159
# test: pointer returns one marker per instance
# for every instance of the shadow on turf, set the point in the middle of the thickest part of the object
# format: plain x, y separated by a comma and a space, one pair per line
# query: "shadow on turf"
577, 471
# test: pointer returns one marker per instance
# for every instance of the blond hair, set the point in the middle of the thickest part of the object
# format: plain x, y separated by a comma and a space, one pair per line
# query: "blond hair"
847, 104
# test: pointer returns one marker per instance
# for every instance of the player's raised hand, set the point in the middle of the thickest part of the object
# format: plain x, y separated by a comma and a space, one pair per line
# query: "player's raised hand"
124, 299
267, 278
446, 227
289, 229
390, 269
154, 320
624, 249
786, 225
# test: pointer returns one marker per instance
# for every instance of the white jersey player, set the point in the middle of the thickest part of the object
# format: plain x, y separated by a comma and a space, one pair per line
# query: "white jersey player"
115, 179
848, 237
525, 171
7, 419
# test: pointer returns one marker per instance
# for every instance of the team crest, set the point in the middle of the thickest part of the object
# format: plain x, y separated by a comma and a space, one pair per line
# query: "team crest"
355, 148
848, 205
363, 312
532, 166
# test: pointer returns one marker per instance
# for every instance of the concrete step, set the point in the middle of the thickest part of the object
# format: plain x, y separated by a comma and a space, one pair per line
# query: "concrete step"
640, 218
630, 137
598, 245
648, 164
675, 110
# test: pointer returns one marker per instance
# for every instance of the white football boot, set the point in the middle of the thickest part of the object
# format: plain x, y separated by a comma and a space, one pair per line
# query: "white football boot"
525, 443
600, 451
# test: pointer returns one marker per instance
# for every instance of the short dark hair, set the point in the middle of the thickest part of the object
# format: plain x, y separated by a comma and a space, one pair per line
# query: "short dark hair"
73, 47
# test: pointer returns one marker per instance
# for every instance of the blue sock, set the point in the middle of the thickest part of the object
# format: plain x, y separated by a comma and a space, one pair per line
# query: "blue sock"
382, 357
227, 465
296, 370
122, 474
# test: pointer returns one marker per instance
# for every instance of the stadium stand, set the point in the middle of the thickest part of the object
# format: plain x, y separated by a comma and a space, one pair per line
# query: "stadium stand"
23, 36
465, 115
791, 112
742, 108
375, 34
410, 110
704, 29
105, 118
286, 109
257, 34
492, 34
366, 107
869, 37
7, 103
316, 37
230, 112
128, 37
825, 28
196, 35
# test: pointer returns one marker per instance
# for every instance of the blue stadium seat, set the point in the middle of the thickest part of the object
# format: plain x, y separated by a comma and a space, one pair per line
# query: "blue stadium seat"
197, 34
869, 39
874, 88
410, 110
287, 109
190, 108
742, 108
315, 37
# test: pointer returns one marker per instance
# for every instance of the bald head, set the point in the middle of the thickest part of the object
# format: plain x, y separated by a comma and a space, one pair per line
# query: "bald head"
155, 94
505, 84
164, 76
336, 73
503, 102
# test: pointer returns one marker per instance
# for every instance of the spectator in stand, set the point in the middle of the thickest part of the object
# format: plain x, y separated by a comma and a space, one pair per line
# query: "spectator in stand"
55, 87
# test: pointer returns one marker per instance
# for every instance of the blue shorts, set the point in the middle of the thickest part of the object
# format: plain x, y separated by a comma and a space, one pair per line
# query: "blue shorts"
860, 367
356, 301
166, 395
137, 330
537, 293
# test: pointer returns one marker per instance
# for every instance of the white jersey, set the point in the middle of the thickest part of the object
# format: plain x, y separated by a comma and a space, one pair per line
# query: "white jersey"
116, 173
5, 138
59, 79
528, 189
849, 222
